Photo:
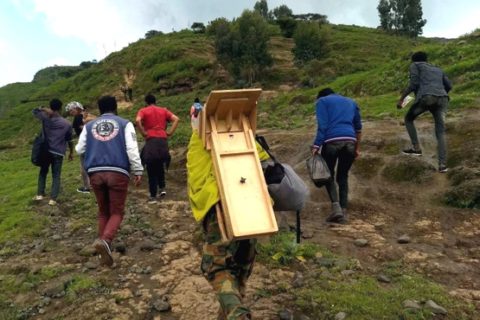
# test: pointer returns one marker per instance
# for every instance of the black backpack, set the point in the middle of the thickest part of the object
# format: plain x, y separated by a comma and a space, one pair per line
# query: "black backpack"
40, 154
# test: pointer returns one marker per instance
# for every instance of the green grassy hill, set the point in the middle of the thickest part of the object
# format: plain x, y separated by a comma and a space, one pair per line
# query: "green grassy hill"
363, 63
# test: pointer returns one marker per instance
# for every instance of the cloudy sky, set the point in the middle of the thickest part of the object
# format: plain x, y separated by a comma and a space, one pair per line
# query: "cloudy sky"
39, 33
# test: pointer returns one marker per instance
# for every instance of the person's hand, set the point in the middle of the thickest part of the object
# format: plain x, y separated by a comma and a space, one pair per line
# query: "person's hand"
137, 180
400, 104
357, 153
70, 156
315, 150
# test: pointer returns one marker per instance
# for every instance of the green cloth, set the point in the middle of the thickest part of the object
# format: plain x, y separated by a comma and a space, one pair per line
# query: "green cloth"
202, 185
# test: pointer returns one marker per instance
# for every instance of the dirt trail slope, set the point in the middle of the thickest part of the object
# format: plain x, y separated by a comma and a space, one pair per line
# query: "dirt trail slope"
158, 268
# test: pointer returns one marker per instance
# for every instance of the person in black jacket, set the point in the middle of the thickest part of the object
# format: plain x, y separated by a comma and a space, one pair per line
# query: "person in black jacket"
431, 87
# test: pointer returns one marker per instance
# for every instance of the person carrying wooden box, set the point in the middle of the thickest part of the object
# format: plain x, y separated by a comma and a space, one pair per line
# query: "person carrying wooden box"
226, 189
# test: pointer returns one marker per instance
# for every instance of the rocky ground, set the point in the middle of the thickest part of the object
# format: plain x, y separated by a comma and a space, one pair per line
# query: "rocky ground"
396, 214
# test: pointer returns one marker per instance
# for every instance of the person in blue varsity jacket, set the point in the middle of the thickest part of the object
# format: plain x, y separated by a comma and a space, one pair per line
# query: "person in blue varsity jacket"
337, 140
109, 145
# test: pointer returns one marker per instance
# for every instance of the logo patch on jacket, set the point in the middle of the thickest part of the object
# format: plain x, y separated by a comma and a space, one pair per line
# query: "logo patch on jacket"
105, 129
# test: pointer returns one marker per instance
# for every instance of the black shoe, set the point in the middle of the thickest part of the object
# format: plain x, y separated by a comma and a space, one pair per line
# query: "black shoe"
412, 152
442, 168
163, 193
83, 190
152, 200
103, 249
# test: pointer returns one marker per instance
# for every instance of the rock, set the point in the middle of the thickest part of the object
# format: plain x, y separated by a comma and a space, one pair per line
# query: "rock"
127, 229
325, 262
361, 242
298, 280
383, 278
87, 251
56, 237
347, 273
403, 239
120, 247
411, 304
285, 315
435, 308
147, 245
340, 316
55, 289
161, 305
307, 234
92, 264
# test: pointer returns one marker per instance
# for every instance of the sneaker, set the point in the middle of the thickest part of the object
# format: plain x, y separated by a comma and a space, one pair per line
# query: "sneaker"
38, 198
412, 152
163, 193
52, 202
337, 214
83, 190
152, 200
442, 168
104, 251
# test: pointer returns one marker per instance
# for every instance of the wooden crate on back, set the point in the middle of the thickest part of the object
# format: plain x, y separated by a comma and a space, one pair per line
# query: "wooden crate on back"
227, 128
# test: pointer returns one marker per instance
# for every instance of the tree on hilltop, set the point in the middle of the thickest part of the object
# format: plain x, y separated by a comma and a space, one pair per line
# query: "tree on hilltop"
262, 8
241, 46
401, 16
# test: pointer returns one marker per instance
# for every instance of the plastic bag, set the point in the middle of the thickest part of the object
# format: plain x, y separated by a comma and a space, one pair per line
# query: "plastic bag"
318, 170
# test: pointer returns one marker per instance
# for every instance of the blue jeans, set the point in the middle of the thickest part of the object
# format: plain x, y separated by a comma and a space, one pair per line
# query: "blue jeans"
438, 108
56, 163
339, 154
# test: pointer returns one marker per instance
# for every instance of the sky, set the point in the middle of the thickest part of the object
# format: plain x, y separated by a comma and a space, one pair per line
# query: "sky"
35, 34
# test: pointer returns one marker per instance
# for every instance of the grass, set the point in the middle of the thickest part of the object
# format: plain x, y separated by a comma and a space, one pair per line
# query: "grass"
80, 285
362, 297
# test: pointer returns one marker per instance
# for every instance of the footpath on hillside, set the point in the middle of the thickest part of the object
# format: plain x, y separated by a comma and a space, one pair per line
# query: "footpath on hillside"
397, 215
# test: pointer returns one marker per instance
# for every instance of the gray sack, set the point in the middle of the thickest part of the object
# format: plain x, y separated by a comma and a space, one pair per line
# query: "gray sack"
291, 193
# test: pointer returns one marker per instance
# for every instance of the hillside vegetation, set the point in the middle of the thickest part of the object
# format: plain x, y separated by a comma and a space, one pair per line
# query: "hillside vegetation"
42, 248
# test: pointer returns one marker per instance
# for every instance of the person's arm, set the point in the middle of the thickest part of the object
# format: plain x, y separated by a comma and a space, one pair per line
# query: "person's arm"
413, 84
174, 120
357, 125
42, 113
138, 120
322, 120
69, 139
133, 154
82, 143
70, 147
447, 84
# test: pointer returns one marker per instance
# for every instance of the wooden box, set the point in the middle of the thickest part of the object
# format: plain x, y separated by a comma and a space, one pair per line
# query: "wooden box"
227, 128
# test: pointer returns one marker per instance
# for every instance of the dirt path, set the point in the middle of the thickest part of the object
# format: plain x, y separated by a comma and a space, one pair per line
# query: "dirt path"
159, 269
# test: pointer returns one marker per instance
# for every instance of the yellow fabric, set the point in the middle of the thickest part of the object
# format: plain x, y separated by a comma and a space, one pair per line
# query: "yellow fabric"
201, 182
202, 185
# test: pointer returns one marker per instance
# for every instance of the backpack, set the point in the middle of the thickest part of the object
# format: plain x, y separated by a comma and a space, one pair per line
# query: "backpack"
40, 154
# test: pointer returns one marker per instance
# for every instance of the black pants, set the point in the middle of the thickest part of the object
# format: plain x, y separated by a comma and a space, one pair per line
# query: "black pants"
156, 176
339, 154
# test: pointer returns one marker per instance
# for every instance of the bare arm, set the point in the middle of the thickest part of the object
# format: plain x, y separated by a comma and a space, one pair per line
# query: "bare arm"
138, 120
174, 126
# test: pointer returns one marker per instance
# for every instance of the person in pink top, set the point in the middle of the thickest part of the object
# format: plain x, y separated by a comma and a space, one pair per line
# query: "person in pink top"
152, 121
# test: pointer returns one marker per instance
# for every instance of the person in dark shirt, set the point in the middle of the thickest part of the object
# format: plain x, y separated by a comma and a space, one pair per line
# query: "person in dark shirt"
58, 133
431, 87
80, 118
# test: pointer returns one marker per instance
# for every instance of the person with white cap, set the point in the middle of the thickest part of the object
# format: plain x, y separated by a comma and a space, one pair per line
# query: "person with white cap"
80, 118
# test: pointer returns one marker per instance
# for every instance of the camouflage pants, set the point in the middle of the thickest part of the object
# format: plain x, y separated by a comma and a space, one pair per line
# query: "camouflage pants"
227, 266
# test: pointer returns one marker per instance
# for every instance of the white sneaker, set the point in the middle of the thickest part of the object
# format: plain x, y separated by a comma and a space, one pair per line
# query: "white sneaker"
163, 193
52, 202
38, 198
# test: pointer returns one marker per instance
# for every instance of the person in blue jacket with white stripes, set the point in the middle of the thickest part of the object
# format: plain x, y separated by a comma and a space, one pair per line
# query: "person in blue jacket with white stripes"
337, 140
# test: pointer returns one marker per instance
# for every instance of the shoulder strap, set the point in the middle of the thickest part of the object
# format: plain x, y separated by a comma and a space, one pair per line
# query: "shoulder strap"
263, 143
